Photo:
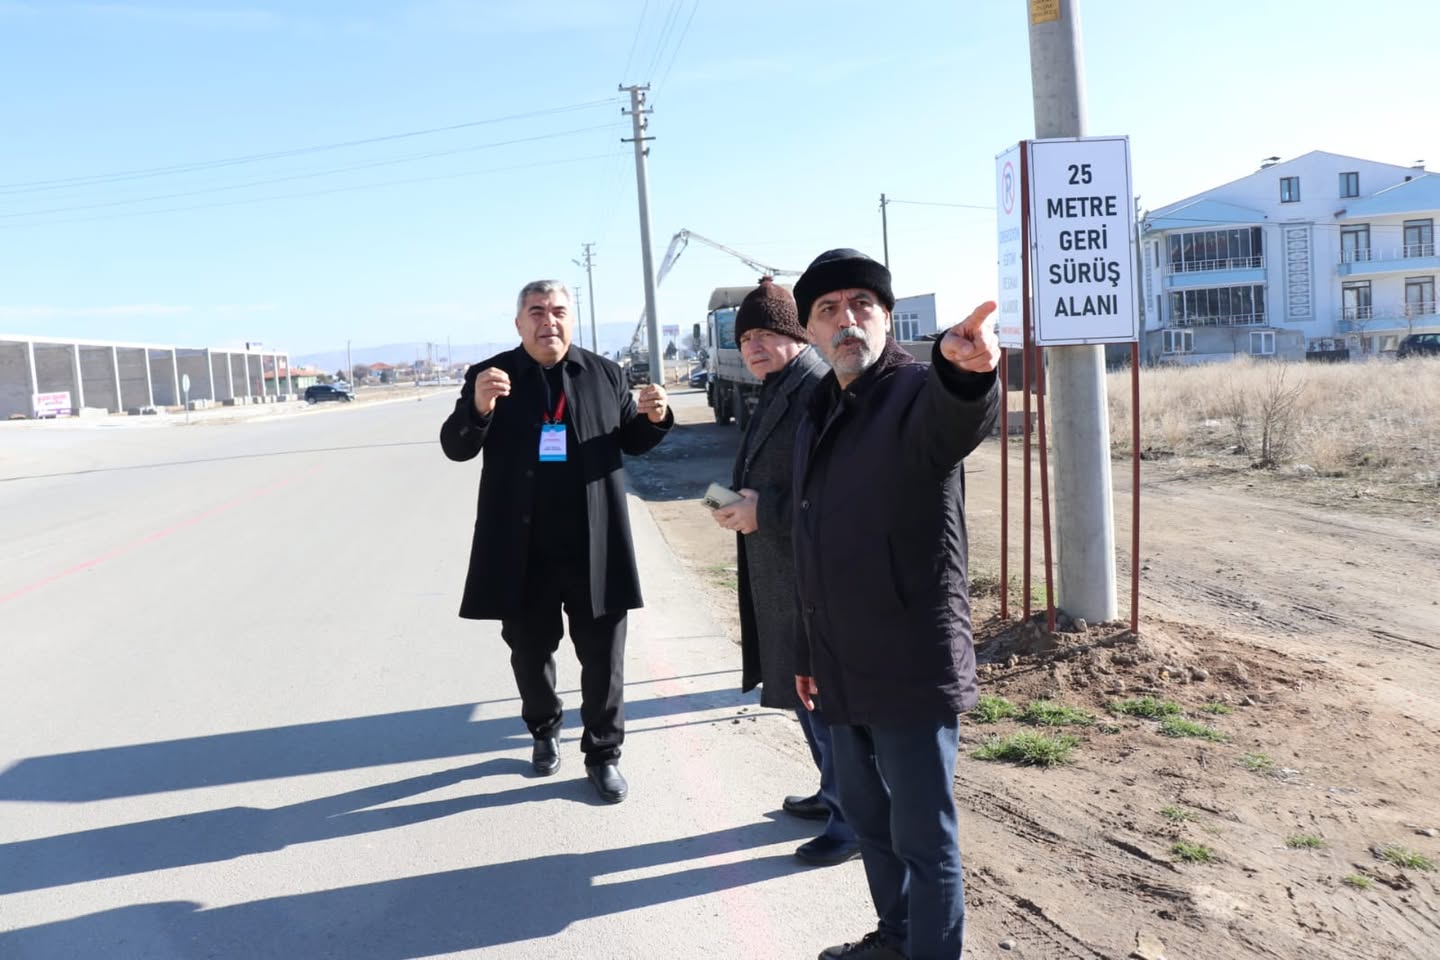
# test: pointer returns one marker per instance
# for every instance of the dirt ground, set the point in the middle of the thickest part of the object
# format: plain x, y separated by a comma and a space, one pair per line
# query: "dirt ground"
1304, 631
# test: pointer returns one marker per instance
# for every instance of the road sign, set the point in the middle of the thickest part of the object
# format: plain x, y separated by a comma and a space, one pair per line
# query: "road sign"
55, 404
185, 382
1082, 229
1010, 316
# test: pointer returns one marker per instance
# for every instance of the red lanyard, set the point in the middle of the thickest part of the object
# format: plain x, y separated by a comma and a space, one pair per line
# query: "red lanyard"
559, 415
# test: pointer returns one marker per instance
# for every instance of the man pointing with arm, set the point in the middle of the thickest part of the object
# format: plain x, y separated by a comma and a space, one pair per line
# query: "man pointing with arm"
882, 585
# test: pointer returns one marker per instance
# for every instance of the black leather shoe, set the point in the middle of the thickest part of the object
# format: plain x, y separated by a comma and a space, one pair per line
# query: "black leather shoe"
826, 851
608, 782
545, 758
807, 808
872, 946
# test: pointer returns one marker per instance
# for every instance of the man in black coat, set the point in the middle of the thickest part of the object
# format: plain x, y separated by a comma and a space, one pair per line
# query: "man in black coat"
775, 349
551, 525
882, 584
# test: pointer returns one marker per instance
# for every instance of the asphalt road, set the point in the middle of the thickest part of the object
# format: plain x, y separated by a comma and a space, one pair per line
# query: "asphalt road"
240, 719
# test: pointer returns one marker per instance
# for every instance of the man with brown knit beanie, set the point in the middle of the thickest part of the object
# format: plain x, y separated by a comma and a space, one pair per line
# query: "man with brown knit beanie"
773, 345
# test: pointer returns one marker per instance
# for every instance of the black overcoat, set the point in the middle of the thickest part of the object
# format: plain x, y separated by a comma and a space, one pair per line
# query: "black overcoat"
769, 626
880, 548
606, 424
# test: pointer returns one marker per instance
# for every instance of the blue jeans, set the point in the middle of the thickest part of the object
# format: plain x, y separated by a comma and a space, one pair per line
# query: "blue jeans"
817, 735
896, 785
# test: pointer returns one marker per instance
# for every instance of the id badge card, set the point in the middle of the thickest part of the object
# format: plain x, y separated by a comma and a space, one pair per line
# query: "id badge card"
552, 443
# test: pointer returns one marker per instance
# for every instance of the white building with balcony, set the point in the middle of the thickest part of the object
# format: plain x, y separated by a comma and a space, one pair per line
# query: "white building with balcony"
1313, 256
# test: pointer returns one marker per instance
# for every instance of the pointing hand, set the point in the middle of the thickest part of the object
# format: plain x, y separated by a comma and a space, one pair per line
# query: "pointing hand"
972, 344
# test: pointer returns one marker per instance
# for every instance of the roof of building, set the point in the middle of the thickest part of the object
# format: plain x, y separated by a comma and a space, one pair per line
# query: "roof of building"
1420, 193
1200, 213
1170, 210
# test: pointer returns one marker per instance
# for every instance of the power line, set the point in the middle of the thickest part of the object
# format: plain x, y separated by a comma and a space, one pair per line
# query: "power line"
683, 34
635, 41
665, 32
89, 179
310, 193
304, 176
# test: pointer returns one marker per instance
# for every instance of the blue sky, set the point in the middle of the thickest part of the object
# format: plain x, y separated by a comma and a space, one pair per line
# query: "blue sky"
778, 126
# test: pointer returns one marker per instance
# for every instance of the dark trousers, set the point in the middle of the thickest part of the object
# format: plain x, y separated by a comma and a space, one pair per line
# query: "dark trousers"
534, 636
817, 735
896, 786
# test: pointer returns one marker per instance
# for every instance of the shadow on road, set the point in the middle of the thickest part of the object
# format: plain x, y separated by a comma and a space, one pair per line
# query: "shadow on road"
216, 835
430, 734
439, 913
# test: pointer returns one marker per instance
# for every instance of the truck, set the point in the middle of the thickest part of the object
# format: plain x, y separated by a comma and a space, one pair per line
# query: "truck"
730, 388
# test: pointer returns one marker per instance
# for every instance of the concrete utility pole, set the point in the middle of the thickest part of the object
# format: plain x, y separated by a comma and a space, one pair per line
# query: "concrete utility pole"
642, 190
885, 230
1084, 507
587, 263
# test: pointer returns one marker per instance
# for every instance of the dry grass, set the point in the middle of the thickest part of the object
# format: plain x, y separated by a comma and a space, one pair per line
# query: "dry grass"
1373, 420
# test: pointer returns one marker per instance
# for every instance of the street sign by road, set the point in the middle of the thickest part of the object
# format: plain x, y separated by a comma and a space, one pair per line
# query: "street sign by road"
55, 404
1010, 316
1082, 226
185, 382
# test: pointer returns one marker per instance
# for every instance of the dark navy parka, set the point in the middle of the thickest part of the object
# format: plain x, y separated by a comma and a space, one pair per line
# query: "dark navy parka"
880, 544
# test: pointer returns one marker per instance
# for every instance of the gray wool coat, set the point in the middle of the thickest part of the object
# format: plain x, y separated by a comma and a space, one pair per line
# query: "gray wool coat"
769, 620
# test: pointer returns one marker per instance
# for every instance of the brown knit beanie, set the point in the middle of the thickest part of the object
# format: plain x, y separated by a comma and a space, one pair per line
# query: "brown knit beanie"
769, 307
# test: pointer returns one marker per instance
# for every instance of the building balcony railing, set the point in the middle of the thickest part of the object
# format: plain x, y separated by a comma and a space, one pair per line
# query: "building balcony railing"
1360, 319
1227, 263
1373, 254
1234, 320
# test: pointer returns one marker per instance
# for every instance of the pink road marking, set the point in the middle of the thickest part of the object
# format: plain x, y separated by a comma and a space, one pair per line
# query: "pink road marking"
741, 903
153, 537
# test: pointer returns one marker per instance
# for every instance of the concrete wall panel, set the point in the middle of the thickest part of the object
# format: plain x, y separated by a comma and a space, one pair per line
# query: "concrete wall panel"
192, 362
219, 365
255, 372
14, 380
134, 387
237, 375
55, 371
98, 372
162, 379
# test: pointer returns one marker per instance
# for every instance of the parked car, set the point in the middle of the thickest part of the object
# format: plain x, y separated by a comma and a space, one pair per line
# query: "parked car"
1419, 345
321, 392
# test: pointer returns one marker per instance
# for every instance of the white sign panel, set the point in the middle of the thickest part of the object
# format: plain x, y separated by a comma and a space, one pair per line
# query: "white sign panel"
1010, 316
51, 404
1082, 226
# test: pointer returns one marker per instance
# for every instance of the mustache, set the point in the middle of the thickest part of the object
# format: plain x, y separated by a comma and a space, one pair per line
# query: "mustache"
848, 333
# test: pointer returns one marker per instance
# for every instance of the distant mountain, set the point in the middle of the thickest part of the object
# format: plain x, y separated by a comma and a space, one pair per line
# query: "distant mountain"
613, 337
